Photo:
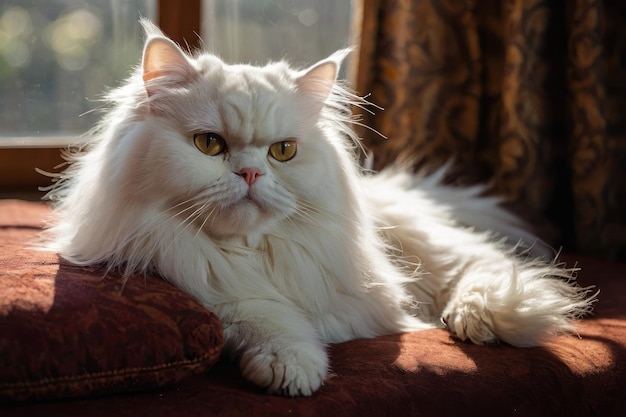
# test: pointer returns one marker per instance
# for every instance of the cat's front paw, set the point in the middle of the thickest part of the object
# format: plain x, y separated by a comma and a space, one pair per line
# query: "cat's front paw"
468, 317
286, 369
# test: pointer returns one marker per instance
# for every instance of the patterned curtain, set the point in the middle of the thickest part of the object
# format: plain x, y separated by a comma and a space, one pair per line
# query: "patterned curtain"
527, 94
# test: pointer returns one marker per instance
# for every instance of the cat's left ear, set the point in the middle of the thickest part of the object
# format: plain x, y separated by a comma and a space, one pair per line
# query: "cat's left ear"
317, 82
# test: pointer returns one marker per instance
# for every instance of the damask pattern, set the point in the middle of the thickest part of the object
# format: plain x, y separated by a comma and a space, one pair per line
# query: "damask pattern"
527, 94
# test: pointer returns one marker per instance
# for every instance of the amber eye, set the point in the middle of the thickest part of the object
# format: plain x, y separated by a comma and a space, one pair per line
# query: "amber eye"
209, 143
283, 151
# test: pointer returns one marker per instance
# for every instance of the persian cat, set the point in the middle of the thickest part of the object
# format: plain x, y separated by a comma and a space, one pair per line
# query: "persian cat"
240, 185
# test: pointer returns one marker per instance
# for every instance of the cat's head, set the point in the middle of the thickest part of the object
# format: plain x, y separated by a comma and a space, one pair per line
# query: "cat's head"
234, 148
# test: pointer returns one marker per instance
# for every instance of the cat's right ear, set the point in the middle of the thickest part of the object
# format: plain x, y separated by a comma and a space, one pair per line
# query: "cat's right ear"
165, 64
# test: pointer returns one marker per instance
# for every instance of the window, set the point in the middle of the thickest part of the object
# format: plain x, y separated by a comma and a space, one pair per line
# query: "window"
57, 58
256, 31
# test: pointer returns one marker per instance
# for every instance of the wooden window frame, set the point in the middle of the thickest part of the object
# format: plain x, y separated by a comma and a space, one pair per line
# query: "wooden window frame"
180, 20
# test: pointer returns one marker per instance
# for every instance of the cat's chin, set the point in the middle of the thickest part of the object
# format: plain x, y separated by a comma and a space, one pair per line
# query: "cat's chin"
241, 219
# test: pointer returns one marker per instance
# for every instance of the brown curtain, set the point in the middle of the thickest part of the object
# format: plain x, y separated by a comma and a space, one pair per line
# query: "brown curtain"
527, 94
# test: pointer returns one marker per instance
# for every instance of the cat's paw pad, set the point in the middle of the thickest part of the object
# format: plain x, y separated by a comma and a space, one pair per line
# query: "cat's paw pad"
292, 370
468, 317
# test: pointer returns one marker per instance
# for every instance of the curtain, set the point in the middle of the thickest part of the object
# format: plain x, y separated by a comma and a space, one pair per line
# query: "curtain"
528, 95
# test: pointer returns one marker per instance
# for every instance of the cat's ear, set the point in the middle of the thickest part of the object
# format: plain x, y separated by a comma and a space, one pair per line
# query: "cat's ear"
317, 82
164, 60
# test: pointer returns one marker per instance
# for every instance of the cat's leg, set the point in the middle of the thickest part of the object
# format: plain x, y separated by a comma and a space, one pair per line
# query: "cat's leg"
276, 345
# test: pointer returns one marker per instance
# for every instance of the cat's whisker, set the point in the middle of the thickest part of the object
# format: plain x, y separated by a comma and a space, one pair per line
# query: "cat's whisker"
186, 223
174, 207
190, 218
193, 217
180, 213
363, 125
187, 201
329, 215
197, 207
193, 206
304, 214
343, 99
206, 218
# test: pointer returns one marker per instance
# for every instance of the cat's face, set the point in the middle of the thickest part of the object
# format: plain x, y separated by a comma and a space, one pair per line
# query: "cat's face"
233, 149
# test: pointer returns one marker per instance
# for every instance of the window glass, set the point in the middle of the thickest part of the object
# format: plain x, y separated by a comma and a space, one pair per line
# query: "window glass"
256, 31
56, 57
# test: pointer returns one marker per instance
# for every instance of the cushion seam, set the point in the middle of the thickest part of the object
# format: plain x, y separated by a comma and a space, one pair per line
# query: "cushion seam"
103, 374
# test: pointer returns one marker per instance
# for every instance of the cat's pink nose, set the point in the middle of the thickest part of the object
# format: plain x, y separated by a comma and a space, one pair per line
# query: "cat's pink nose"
249, 175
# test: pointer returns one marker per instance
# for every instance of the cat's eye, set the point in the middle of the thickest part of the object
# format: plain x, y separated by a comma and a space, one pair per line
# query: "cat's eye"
209, 143
283, 151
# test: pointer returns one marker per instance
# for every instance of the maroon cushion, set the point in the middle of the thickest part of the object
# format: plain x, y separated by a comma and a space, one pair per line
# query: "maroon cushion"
67, 331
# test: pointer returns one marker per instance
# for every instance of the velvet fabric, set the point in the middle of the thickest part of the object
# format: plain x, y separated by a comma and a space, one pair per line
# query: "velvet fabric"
428, 373
67, 331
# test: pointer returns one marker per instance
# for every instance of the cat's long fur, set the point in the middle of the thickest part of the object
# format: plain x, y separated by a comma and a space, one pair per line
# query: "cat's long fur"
313, 251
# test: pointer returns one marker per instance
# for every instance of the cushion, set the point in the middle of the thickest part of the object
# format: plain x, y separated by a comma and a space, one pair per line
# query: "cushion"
67, 331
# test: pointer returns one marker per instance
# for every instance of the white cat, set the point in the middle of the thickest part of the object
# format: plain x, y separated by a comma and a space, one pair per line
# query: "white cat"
240, 185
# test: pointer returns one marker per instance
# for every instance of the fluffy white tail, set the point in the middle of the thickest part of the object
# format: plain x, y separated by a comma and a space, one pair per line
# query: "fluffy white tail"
480, 289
